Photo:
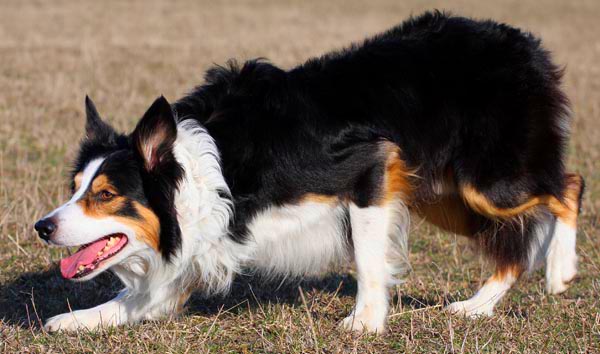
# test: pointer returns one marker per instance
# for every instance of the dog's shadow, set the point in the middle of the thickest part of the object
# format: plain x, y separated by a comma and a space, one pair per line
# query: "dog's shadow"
31, 298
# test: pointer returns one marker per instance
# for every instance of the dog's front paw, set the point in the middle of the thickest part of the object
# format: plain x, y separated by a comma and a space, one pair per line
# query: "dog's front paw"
364, 321
64, 322
76, 320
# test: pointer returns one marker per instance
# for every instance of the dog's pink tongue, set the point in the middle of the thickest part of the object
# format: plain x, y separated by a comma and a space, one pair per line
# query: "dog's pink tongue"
86, 256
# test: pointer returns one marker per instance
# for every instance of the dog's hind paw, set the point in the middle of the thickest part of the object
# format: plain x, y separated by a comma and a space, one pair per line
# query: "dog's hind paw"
471, 309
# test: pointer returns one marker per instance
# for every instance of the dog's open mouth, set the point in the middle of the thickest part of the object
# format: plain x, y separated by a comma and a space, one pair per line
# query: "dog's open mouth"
89, 256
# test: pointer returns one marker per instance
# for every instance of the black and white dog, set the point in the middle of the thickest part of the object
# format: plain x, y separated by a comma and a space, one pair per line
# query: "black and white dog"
457, 121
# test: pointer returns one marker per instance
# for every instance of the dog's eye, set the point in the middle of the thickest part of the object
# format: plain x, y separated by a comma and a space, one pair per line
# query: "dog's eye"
106, 195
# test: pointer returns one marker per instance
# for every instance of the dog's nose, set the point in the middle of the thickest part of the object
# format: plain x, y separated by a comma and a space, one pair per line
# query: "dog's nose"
45, 228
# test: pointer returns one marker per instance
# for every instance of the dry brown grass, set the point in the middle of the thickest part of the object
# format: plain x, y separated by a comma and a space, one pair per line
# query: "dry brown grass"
126, 54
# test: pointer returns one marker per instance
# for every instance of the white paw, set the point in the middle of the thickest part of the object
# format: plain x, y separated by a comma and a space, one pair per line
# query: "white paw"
560, 270
364, 321
469, 308
83, 319
559, 274
570, 270
556, 286
64, 322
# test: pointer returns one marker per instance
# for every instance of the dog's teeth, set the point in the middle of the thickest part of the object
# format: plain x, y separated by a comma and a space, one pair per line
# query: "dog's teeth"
99, 253
81, 268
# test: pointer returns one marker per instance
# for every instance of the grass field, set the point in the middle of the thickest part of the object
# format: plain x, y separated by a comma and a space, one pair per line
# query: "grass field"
124, 54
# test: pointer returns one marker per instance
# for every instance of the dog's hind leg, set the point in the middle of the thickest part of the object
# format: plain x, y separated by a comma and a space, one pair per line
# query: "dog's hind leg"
525, 232
486, 298
561, 258
515, 246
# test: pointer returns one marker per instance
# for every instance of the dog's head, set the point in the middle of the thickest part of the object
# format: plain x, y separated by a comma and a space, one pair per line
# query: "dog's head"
123, 195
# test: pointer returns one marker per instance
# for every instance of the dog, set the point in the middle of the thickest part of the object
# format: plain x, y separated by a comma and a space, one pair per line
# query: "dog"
456, 121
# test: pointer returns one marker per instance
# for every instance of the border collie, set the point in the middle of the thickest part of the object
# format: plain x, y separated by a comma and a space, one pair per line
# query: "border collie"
288, 172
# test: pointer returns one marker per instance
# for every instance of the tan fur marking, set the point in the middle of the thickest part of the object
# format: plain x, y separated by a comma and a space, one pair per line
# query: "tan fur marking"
319, 198
504, 271
566, 211
183, 298
570, 210
147, 229
484, 206
449, 213
97, 209
77, 180
396, 183
102, 183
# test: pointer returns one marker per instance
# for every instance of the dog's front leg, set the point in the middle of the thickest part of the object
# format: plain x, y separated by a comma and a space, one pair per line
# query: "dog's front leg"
370, 228
111, 313
127, 307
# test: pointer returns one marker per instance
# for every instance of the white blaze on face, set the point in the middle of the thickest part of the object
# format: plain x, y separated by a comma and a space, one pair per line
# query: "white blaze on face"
86, 179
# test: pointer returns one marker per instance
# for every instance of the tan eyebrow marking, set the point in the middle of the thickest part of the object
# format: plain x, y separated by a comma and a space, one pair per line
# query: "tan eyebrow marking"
77, 180
101, 183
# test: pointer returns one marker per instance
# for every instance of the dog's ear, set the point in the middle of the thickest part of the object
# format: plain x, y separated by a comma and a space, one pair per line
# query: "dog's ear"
95, 128
153, 140
155, 134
